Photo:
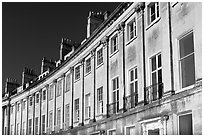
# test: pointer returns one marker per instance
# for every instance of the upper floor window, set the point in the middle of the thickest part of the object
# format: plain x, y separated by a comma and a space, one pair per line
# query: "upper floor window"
29, 126
51, 92
68, 83
100, 56
77, 109
18, 106
88, 65
23, 104
156, 76
36, 126
44, 95
100, 100
114, 44
186, 60
59, 87
131, 29
11, 109
37, 98
77, 73
88, 106
153, 11
30, 101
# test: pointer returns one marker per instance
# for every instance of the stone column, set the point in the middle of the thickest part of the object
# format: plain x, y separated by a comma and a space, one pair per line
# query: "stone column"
33, 113
40, 104
55, 82
47, 104
63, 90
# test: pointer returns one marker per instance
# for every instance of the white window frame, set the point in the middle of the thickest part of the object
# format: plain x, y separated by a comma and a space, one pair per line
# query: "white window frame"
77, 111
59, 113
77, 72
36, 125
134, 31
37, 98
50, 120
117, 92
114, 46
30, 126
179, 59
59, 87
100, 56
99, 102
88, 65
30, 101
43, 124
156, 12
44, 95
88, 105
68, 82
51, 91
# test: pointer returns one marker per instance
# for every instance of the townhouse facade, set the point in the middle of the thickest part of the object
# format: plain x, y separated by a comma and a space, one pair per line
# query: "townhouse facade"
138, 72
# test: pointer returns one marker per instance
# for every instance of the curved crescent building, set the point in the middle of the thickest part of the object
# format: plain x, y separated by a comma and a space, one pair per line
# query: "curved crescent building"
138, 72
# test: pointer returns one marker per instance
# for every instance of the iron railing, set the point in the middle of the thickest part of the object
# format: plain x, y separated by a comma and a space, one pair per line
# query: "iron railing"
131, 101
153, 92
113, 108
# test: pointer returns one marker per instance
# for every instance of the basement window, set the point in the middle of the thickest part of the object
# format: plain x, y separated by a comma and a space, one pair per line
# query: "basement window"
185, 124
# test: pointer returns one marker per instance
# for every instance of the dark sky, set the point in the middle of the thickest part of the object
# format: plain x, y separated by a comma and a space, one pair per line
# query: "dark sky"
31, 31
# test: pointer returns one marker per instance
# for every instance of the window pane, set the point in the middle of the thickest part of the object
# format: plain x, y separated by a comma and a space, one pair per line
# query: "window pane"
188, 71
154, 63
153, 132
131, 88
186, 45
135, 73
154, 78
131, 75
136, 87
185, 125
160, 76
159, 61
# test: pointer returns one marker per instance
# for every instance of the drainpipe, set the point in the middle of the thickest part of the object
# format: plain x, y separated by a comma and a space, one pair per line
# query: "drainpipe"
33, 113
106, 42
140, 8
72, 120
82, 63
171, 47
47, 104
122, 25
94, 83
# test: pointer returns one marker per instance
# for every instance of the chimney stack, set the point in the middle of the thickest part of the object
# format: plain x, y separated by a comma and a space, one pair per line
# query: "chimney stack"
28, 75
66, 46
94, 20
11, 84
47, 65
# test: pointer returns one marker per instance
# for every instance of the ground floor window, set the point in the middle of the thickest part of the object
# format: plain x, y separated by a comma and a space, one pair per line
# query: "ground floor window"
130, 130
185, 124
112, 132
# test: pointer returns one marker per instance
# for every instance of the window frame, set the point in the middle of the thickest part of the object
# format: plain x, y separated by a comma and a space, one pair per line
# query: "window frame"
130, 126
59, 87
88, 65
88, 106
114, 47
36, 125
117, 93
67, 115
100, 100
30, 101
183, 58
68, 82
43, 95
77, 73
183, 114
111, 130
77, 110
37, 98
156, 12
43, 124
59, 116
51, 91
100, 56
133, 21
50, 120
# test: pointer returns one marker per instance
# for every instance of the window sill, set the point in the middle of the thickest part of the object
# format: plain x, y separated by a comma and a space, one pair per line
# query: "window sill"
76, 80
152, 23
129, 41
112, 54
98, 66
87, 73
186, 88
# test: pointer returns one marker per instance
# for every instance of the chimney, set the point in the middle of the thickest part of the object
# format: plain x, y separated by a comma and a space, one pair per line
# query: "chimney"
47, 65
66, 46
94, 20
11, 84
28, 75
106, 15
